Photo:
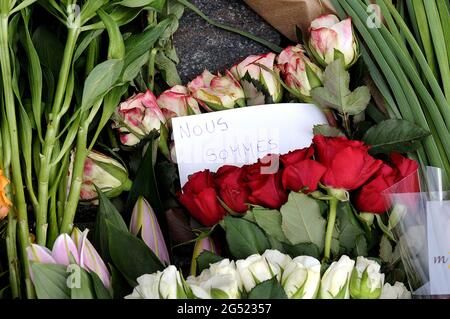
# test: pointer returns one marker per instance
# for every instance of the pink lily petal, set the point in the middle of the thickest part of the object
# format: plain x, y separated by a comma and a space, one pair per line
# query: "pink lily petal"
63, 248
90, 260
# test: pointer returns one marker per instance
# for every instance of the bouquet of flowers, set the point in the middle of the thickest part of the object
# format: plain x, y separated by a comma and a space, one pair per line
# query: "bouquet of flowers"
307, 224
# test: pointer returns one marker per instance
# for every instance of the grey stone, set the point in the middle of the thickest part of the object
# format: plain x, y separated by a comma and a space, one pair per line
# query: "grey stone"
202, 46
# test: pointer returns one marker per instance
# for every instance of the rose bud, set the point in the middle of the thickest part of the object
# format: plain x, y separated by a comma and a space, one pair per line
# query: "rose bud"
232, 189
366, 281
199, 196
348, 162
177, 102
336, 279
397, 291
5, 203
249, 70
90, 260
299, 73
202, 244
331, 39
300, 172
109, 175
137, 117
217, 92
254, 270
166, 284
145, 223
301, 279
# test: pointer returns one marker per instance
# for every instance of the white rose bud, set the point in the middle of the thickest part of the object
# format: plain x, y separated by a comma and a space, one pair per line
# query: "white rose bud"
278, 261
367, 280
254, 270
335, 281
164, 284
301, 278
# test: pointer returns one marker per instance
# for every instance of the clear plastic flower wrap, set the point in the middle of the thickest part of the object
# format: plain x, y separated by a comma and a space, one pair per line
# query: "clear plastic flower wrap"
420, 222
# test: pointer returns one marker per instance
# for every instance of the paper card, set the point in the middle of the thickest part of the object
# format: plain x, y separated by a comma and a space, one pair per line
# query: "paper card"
438, 232
242, 136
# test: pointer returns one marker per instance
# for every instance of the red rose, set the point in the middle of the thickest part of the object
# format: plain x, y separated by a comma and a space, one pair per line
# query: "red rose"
370, 198
407, 173
303, 176
265, 187
199, 196
348, 163
297, 156
232, 189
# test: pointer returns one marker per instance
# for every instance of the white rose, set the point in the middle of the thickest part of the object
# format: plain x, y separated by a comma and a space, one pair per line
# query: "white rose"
254, 270
277, 261
214, 286
301, 278
397, 291
335, 281
160, 285
366, 281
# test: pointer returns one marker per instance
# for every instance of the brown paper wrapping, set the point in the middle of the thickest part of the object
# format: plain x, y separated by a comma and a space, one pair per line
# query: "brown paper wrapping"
285, 15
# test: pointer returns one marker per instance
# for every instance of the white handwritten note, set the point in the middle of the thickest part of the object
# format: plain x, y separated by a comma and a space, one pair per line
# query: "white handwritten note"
242, 136
438, 231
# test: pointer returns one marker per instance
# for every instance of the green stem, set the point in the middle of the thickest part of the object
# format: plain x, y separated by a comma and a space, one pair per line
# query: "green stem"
16, 169
50, 138
11, 247
13, 260
330, 228
151, 67
77, 179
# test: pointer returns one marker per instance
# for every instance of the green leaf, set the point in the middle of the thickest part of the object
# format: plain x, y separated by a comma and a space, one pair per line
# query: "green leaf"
140, 44
244, 238
100, 290
360, 246
302, 222
81, 286
156, 4
349, 228
270, 221
106, 212
130, 255
50, 281
49, 49
394, 136
336, 94
101, 79
84, 43
205, 259
145, 184
119, 284
386, 250
269, 289
168, 69
327, 130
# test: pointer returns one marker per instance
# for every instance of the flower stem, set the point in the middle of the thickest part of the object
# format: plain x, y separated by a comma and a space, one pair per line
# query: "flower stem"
330, 228
50, 138
16, 169
71, 205
151, 71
